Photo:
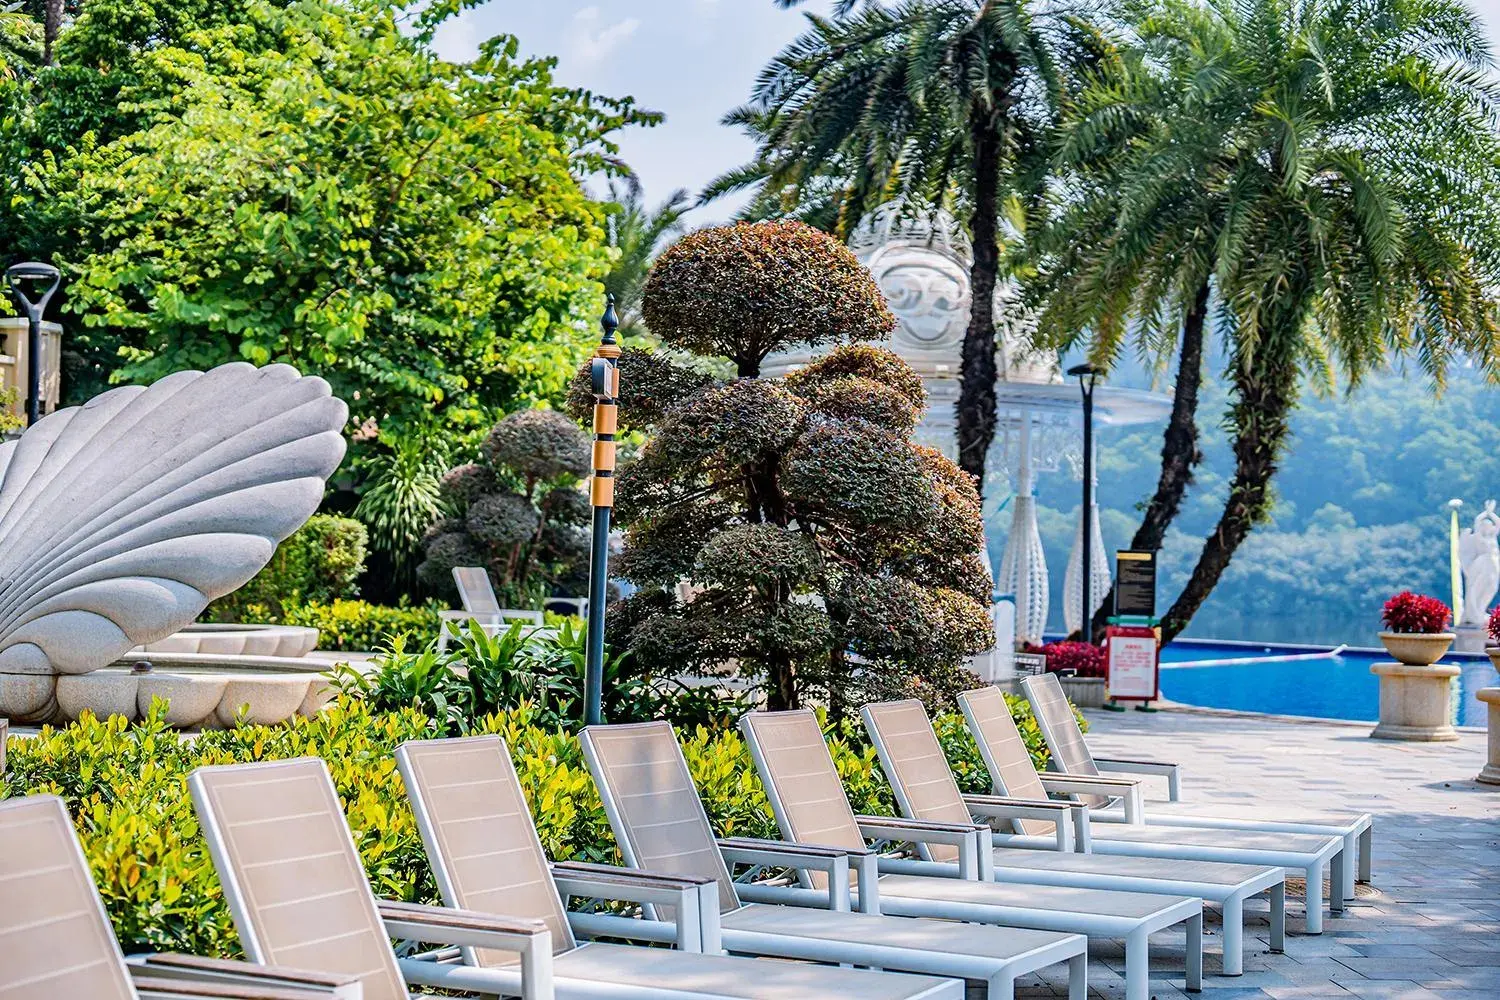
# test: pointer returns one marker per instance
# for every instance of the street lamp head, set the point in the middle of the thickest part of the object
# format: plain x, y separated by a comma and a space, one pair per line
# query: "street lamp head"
1455, 503
1081, 370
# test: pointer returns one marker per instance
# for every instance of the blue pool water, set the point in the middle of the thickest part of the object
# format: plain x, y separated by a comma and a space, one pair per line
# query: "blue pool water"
1328, 687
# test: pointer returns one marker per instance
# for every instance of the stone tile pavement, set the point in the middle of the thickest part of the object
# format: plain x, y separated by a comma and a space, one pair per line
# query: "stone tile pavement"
1430, 930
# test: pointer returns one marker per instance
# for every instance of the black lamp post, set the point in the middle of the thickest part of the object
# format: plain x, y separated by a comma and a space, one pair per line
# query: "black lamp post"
1087, 376
39, 272
606, 378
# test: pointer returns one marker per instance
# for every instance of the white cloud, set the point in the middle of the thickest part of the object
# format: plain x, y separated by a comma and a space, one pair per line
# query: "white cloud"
589, 41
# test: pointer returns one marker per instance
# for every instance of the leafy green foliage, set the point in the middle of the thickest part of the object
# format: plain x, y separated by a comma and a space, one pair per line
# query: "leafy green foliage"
402, 497
519, 514
638, 234
361, 626
317, 564
126, 787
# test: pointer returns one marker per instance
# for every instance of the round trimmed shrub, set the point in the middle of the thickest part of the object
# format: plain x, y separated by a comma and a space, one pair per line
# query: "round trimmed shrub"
756, 555
460, 485
745, 290
862, 361
736, 421
502, 519
444, 552
858, 471
539, 445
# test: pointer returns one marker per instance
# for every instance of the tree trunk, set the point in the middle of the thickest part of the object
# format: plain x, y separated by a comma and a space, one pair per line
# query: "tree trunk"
1265, 388
976, 398
51, 27
1179, 452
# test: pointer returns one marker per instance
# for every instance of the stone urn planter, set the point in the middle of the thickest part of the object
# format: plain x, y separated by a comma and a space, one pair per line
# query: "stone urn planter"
1490, 774
1416, 649
1416, 702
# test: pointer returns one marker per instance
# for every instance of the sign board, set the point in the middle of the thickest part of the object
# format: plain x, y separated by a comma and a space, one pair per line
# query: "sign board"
1030, 663
1135, 583
1133, 670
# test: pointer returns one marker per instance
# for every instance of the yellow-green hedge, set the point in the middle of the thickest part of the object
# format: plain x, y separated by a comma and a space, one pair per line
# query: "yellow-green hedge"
126, 787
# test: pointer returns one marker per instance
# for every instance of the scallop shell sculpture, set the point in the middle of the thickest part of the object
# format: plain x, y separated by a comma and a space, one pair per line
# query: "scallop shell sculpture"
122, 518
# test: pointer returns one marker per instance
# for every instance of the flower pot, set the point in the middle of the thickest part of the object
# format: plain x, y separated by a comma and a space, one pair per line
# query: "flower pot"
1491, 697
1416, 702
1417, 649
1494, 655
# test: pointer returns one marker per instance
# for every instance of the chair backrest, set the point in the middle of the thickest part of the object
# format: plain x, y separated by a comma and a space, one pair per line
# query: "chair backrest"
1004, 752
653, 805
55, 939
801, 781
917, 768
291, 874
475, 590
481, 841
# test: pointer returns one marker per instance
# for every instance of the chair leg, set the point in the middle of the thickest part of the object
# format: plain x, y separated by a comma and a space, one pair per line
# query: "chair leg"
1234, 936
1366, 842
1347, 859
1001, 987
1195, 954
1137, 967
1314, 899
1342, 888
1278, 917
1078, 977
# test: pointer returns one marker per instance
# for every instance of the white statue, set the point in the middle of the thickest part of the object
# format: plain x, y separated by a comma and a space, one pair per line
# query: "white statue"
1479, 555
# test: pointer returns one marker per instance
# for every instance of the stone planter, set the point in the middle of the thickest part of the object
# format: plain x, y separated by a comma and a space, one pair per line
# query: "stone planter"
1085, 692
1490, 775
1417, 649
1416, 702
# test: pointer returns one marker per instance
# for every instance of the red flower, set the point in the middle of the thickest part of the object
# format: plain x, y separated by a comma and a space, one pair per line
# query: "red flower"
1494, 628
1083, 658
1415, 613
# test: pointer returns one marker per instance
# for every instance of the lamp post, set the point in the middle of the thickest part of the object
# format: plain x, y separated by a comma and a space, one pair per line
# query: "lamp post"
33, 271
605, 372
1087, 376
1455, 571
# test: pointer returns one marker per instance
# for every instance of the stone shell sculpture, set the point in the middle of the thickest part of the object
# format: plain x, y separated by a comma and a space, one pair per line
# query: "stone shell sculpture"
121, 519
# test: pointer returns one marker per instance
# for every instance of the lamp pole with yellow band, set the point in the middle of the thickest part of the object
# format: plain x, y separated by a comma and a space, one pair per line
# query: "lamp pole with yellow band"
605, 373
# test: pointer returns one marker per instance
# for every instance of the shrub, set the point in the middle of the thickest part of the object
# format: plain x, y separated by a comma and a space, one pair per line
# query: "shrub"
1083, 658
745, 290
360, 626
126, 786
1415, 613
318, 563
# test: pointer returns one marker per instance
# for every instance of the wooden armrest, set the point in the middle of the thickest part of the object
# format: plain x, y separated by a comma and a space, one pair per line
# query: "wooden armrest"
168, 988
199, 972
787, 848
1081, 781
901, 824
626, 876
441, 918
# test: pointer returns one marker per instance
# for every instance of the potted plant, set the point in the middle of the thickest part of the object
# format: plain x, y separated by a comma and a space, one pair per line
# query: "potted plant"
1415, 628
1494, 633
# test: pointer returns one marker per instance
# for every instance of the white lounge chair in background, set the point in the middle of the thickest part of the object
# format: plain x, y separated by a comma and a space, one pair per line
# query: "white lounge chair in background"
480, 605
924, 786
56, 942
299, 895
485, 852
811, 807
1013, 775
1071, 757
659, 823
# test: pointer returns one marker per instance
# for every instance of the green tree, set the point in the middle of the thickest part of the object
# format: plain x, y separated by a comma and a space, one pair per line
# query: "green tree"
936, 101
1343, 163
638, 234
805, 522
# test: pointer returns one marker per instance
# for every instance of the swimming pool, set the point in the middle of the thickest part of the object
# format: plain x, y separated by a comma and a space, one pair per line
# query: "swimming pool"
1301, 680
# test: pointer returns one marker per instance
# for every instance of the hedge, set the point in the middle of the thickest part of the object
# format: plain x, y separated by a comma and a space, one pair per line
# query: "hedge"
348, 625
319, 562
126, 787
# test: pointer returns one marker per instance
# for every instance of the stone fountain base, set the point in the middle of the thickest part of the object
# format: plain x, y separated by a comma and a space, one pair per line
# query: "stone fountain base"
1416, 703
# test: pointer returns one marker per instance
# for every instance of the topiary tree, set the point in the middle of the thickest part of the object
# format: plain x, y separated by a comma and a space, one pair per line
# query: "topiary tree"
518, 512
824, 552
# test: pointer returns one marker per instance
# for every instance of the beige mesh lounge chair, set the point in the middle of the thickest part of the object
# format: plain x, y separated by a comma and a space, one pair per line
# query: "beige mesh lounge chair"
1013, 775
1123, 803
480, 605
811, 808
660, 824
56, 942
484, 851
299, 896
913, 761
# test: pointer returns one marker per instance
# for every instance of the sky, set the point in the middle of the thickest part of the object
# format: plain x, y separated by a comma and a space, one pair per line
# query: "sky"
692, 60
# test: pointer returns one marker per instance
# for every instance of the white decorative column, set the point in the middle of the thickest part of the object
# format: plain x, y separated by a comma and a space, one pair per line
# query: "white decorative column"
1099, 567
1023, 569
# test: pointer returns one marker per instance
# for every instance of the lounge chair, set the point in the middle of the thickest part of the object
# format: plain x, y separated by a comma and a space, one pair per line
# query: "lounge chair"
56, 942
299, 895
913, 761
480, 605
1011, 771
808, 799
1071, 756
660, 824
485, 852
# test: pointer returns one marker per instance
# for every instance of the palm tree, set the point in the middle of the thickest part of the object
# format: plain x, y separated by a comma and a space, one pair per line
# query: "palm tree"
939, 102
639, 234
1329, 169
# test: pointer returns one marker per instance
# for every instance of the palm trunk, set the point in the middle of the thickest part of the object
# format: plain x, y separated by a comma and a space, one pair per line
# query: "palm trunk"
976, 398
51, 28
1179, 452
1265, 389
